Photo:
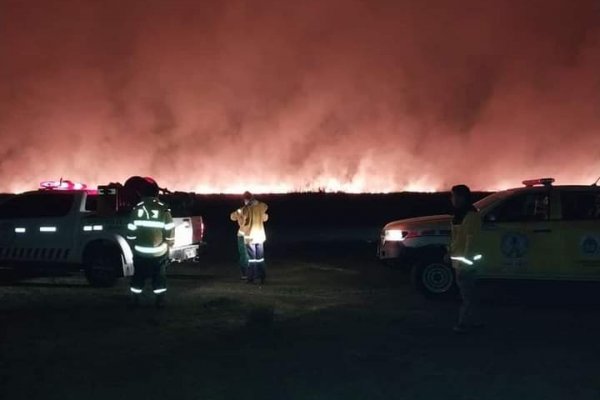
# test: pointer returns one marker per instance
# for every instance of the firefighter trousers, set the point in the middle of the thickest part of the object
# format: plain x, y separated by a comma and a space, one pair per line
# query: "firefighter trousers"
256, 261
149, 267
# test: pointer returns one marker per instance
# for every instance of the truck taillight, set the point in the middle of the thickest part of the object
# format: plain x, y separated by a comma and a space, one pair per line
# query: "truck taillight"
198, 229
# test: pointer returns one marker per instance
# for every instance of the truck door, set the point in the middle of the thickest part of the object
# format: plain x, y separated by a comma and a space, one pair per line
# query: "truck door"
519, 238
580, 227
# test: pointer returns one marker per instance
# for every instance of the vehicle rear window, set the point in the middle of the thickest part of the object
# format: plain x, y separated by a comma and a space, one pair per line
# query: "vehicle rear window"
91, 203
34, 205
580, 205
533, 206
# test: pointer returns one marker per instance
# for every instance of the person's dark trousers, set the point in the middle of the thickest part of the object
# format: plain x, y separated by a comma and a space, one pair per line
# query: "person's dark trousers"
150, 267
466, 280
243, 252
256, 262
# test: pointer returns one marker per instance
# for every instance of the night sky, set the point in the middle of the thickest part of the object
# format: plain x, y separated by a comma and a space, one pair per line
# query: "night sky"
300, 95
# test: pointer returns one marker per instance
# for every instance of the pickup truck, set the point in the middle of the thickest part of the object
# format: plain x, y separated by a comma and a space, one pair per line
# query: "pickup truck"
63, 228
537, 232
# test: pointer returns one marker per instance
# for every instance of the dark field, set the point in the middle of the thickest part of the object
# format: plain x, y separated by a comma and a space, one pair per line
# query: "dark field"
331, 323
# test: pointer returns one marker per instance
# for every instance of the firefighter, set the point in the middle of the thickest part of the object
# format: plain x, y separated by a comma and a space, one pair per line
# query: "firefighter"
254, 215
239, 216
151, 234
466, 225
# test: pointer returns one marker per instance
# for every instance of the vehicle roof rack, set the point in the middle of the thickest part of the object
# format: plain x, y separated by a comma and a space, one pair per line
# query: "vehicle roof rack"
538, 182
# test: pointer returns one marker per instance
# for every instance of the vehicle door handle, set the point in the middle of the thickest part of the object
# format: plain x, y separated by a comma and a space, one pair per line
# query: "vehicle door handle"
542, 230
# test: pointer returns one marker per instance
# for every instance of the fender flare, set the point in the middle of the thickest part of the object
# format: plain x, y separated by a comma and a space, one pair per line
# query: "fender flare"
118, 241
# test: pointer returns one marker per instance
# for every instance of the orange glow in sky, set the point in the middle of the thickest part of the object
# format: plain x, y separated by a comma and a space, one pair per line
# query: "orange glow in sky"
279, 96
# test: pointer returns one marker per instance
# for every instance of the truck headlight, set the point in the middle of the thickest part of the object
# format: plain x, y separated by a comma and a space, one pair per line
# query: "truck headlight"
394, 235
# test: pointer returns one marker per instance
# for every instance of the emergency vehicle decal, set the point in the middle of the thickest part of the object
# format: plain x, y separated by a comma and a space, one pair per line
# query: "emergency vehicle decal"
514, 245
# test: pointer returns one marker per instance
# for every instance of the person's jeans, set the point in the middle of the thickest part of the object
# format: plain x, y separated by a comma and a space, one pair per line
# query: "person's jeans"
243, 253
256, 261
466, 280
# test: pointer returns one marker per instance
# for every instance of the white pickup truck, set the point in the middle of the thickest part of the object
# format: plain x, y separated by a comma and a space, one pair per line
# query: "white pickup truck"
62, 228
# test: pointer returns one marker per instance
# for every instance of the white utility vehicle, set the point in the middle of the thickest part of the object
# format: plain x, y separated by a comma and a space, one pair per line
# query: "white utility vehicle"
539, 231
65, 225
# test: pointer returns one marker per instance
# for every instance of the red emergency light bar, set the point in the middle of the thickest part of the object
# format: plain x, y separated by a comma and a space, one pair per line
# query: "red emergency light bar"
63, 185
537, 182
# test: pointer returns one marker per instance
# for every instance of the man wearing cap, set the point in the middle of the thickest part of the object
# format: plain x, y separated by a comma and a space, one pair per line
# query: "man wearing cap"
253, 216
466, 226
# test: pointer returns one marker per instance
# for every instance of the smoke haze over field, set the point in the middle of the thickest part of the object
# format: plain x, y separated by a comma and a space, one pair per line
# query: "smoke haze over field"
278, 95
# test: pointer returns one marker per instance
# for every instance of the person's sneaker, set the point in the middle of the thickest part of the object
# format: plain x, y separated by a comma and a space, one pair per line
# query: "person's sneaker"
244, 278
460, 328
160, 301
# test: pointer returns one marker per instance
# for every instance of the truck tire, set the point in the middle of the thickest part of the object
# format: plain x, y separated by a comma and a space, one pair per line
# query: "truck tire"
103, 264
434, 278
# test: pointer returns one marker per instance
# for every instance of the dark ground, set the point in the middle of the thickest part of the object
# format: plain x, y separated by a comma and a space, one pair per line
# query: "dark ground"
331, 323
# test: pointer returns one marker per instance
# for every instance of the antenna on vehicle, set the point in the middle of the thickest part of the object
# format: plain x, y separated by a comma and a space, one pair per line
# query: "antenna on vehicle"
596, 183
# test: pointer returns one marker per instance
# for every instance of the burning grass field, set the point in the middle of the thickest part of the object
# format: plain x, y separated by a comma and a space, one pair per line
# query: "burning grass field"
331, 323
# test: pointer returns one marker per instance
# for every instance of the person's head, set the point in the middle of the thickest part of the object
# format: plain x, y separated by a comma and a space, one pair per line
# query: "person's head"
149, 190
247, 196
461, 196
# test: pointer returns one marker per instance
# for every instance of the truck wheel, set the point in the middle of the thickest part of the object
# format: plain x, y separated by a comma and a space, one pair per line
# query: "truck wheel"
434, 279
103, 264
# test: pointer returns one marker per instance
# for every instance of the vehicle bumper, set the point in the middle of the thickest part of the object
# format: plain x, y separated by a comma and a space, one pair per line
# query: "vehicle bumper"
184, 253
394, 252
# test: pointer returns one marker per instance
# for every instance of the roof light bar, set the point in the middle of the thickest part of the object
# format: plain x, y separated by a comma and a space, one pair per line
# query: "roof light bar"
538, 182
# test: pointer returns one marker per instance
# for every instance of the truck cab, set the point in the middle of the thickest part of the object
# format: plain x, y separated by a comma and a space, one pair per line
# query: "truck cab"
539, 231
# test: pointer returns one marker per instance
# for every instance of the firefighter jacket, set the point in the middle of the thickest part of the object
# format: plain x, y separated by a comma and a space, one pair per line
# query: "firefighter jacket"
252, 219
151, 228
463, 246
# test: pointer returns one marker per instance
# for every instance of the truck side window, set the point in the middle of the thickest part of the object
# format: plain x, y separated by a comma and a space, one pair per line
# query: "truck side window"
91, 203
524, 207
37, 206
580, 205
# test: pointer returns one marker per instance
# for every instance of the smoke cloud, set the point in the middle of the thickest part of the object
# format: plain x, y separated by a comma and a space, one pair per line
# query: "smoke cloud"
271, 95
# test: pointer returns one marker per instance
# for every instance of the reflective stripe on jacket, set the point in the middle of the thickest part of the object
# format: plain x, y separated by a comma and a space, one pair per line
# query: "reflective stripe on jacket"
151, 229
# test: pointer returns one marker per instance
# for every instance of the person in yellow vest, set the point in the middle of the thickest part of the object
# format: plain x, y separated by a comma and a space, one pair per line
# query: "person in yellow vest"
151, 234
239, 216
254, 215
466, 226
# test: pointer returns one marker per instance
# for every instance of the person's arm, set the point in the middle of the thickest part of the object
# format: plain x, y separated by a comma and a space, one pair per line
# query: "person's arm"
131, 227
169, 228
236, 215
